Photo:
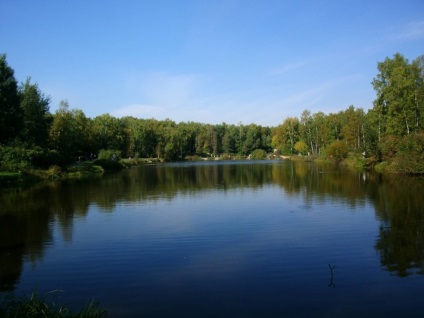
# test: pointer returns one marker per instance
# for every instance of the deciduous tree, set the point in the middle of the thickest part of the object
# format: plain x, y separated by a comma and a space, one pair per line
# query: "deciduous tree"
36, 116
397, 101
10, 111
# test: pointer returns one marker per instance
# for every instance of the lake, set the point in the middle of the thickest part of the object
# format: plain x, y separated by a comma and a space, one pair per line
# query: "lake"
221, 239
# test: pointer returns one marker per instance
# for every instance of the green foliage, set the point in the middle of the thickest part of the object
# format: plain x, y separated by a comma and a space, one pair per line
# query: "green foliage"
109, 159
193, 158
371, 135
402, 155
398, 111
381, 167
109, 154
229, 139
252, 140
53, 172
286, 135
207, 141
130, 162
410, 155
412, 144
36, 119
69, 132
388, 147
86, 169
301, 147
352, 130
258, 154
17, 158
23, 159
400, 100
10, 110
337, 150
355, 160
109, 132
36, 306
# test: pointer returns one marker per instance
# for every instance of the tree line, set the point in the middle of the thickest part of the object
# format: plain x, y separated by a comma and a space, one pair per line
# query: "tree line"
391, 131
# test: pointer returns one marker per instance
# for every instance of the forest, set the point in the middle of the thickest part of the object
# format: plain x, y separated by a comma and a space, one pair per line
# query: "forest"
388, 137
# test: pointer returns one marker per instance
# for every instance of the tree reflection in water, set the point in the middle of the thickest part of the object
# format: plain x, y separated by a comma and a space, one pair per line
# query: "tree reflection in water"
27, 216
399, 206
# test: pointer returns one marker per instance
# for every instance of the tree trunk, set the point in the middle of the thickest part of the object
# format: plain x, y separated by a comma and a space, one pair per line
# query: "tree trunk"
406, 121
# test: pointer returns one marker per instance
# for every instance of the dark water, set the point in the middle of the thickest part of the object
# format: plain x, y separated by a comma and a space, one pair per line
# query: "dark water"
221, 239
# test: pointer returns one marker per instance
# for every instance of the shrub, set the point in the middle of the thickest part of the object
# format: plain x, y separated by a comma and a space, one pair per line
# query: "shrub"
16, 158
109, 154
286, 150
355, 160
86, 169
382, 167
24, 159
301, 147
388, 147
337, 150
410, 154
258, 154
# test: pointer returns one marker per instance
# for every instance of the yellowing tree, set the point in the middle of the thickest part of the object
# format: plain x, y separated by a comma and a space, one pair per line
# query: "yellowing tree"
301, 147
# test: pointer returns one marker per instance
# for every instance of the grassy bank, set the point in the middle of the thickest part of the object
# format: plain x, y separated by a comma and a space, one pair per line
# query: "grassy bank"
36, 306
77, 170
32, 176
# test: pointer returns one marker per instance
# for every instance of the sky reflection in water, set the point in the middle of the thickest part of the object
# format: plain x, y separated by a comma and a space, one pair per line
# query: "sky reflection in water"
229, 240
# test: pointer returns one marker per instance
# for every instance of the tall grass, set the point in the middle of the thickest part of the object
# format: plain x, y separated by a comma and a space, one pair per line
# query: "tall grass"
36, 306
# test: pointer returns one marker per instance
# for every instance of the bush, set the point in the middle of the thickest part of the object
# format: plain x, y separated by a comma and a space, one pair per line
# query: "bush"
382, 167
23, 159
258, 154
301, 147
410, 154
402, 155
337, 151
286, 150
388, 147
16, 158
109, 154
355, 160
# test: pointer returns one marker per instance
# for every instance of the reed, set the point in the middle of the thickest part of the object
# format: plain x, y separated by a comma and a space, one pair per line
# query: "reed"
36, 306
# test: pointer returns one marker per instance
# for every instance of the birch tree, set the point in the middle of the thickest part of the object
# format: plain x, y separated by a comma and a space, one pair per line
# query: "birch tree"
396, 103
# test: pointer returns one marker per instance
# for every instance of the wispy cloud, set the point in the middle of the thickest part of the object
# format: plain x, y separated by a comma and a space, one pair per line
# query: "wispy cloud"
159, 94
187, 97
411, 31
285, 68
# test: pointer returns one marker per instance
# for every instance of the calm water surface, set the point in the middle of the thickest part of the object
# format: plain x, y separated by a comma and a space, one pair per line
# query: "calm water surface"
221, 239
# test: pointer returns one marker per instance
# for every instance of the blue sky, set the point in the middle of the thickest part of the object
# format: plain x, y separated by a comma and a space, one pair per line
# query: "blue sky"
249, 61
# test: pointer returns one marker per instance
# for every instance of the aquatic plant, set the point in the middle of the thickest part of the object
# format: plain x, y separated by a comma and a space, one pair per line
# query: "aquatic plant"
36, 306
